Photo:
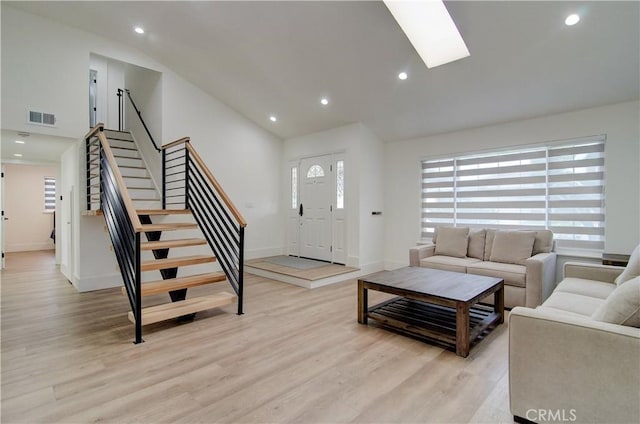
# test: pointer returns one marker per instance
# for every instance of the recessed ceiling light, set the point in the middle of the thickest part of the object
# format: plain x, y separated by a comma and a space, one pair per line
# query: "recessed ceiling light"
19, 142
139, 30
273, 118
324, 101
572, 20
403, 76
18, 155
430, 29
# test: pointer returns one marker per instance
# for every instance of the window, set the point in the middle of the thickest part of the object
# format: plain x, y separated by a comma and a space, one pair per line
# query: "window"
315, 171
49, 194
294, 187
340, 184
559, 187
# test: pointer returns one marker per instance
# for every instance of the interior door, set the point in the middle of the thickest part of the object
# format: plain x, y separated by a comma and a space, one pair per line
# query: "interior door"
315, 208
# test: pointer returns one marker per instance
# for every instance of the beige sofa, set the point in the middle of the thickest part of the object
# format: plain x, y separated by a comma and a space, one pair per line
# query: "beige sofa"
524, 259
577, 356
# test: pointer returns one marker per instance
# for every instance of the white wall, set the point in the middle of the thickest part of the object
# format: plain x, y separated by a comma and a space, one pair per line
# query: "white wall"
243, 157
620, 123
28, 227
363, 177
146, 91
46, 64
111, 76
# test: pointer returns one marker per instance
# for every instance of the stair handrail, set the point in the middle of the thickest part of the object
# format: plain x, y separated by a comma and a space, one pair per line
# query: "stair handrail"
122, 221
225, 198
135, 108
220, 221
128, 203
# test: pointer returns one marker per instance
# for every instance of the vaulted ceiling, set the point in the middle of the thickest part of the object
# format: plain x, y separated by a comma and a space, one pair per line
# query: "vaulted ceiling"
279, 58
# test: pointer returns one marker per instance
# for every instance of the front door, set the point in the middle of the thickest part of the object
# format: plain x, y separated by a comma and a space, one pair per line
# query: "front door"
315, 207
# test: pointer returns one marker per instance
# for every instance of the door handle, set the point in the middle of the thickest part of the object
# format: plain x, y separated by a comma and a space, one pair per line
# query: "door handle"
301, 212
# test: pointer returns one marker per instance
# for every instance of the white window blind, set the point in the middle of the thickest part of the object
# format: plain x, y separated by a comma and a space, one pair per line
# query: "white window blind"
49, 194
558, 187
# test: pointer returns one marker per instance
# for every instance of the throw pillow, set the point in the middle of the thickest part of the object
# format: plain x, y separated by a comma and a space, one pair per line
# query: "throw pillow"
488, 244
452, 241
512, 247
543, 242
622, 306
476, 244
633, 267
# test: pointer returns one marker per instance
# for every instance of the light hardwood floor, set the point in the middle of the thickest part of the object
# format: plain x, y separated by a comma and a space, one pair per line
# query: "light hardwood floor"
296, 356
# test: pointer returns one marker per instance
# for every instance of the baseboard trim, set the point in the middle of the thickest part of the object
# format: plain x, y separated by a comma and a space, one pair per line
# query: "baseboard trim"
101, 282
264, 252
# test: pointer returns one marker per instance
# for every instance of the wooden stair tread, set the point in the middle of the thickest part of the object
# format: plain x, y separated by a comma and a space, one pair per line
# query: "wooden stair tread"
175, 262
170, 226
164, 286
163, 211
167, 244
184, 307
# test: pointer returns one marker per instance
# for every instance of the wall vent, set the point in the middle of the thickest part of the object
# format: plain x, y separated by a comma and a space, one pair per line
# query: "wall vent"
41, 118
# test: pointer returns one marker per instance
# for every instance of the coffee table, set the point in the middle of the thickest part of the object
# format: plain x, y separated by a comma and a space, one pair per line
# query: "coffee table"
439, 306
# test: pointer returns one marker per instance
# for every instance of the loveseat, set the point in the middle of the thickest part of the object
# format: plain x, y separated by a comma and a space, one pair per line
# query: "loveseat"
524, 259
577, 356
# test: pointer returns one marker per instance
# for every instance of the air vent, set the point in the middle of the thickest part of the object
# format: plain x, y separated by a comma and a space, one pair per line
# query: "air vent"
41, 118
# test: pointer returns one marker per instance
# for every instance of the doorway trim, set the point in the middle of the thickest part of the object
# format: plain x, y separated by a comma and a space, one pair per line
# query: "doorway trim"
338, 212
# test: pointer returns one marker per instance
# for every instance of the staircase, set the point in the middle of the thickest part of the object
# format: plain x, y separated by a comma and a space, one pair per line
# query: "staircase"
187, 232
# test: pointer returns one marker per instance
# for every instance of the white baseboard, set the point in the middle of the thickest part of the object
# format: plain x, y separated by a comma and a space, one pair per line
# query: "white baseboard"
391, 265
28, 247
107, 281
264, 252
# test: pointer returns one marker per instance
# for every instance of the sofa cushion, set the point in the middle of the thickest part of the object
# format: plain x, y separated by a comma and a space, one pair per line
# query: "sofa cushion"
633, 267
488, 243
572, 302
591, 288
476, 244
512, 247
512, 274
622, 306
543, 242
448, 263
452, 241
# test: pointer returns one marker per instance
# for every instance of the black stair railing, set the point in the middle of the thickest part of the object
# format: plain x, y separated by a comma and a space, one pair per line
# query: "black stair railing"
188, 183
121, 110
106, 191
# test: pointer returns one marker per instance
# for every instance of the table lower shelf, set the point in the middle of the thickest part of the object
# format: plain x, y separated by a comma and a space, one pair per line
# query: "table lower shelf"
432, 322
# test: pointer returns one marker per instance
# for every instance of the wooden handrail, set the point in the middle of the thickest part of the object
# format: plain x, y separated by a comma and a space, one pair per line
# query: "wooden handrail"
128, 204
175, 143
99, 127
216, 185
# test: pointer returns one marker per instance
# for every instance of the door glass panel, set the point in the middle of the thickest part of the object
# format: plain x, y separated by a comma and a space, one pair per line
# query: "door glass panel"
340, 184
294, 187
315, 171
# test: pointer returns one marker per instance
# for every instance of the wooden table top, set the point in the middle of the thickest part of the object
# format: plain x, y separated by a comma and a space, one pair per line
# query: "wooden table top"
434, 282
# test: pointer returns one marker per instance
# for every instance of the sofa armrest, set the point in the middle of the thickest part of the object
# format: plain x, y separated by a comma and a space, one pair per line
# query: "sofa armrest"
588, 271
559, 362
420, 252
540, 279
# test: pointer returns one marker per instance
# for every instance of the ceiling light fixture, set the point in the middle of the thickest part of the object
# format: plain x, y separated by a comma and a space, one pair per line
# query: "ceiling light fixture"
403, 76
572, 20
273, 118
139, 30
18, 155
431, 30
19, 142
324, 101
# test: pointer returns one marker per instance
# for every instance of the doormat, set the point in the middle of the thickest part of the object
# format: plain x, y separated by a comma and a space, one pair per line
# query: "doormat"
293, 262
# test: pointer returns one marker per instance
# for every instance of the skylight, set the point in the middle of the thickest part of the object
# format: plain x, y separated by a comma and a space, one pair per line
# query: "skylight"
431, 30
